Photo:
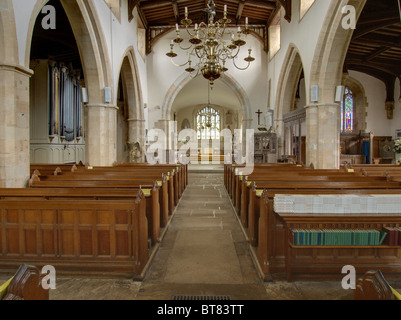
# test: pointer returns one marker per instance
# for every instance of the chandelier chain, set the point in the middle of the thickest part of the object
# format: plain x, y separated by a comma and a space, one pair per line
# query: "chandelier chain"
207, 44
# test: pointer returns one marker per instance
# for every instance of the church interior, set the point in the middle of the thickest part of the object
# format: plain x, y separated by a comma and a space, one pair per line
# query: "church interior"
215, 150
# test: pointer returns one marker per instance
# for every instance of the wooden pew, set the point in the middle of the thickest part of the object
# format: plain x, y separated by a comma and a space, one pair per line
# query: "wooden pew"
91, 194
181, 169
241, 185
80, 237
251, 217
172, 176
25, 284
373, 286
273, 250
50, 168
233, 172
266, 231
151, 191
166, 199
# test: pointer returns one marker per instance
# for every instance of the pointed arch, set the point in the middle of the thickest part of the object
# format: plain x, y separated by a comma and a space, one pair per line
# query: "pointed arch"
132, 85
87, 31
184, 79
288, 82
331, 49
133, 101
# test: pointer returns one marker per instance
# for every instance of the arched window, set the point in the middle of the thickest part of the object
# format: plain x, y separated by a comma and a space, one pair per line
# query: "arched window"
347, 111
208, 123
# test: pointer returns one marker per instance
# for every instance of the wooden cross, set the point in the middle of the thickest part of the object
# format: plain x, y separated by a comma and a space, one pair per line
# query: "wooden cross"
259, 113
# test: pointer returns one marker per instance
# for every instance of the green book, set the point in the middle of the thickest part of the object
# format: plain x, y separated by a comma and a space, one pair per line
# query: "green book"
349, 238
314, 237
383, 235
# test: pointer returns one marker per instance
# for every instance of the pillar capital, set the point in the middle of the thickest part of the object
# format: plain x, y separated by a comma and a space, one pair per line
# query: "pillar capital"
100, 105
16, 68
323, 105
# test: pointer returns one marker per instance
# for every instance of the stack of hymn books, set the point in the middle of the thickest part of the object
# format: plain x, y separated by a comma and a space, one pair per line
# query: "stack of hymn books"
328, 237
393, 236
337, 204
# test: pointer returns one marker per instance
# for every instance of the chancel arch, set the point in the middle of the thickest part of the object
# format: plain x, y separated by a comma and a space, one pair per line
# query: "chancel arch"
209, 110
227, 80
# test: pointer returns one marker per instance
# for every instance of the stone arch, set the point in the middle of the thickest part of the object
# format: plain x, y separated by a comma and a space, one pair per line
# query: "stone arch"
86, 27
184, 79
286, 92
323, 116
133, 98
331, 49
288, 82
100, 117
132, 85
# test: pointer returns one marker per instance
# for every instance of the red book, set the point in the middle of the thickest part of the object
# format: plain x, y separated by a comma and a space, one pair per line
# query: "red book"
390, 239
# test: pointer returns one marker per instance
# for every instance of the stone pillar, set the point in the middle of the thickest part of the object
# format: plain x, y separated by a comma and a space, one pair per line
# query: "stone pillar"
101, 134
323, 136
14, 126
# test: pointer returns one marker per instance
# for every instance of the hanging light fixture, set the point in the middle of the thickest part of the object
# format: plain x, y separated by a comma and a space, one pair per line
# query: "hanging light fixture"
208, 109
207, 44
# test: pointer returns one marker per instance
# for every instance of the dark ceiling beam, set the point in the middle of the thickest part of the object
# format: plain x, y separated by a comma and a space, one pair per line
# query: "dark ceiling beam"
377, 53
287, 5
378, 41
361, 31
260, 4
380, 66
377, 17
131, 6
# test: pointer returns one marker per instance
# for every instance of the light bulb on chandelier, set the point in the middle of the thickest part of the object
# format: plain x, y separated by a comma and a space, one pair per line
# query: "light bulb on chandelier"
207, 44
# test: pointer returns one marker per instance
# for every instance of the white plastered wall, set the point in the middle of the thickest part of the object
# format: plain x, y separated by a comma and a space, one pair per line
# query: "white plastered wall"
303, 34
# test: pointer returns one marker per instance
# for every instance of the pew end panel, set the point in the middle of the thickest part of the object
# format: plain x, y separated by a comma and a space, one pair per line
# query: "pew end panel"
26, 284
373, 286
79, 238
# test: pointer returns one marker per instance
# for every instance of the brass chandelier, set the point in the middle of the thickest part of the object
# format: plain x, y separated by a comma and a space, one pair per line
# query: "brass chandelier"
207, 44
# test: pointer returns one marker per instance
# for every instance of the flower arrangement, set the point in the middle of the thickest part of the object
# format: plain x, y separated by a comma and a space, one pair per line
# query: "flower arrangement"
397, 145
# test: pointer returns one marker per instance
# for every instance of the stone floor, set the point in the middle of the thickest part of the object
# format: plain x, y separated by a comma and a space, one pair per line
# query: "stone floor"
204, 252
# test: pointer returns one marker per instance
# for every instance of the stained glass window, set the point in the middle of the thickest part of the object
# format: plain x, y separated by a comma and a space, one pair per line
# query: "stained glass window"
347, 112
208, 123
